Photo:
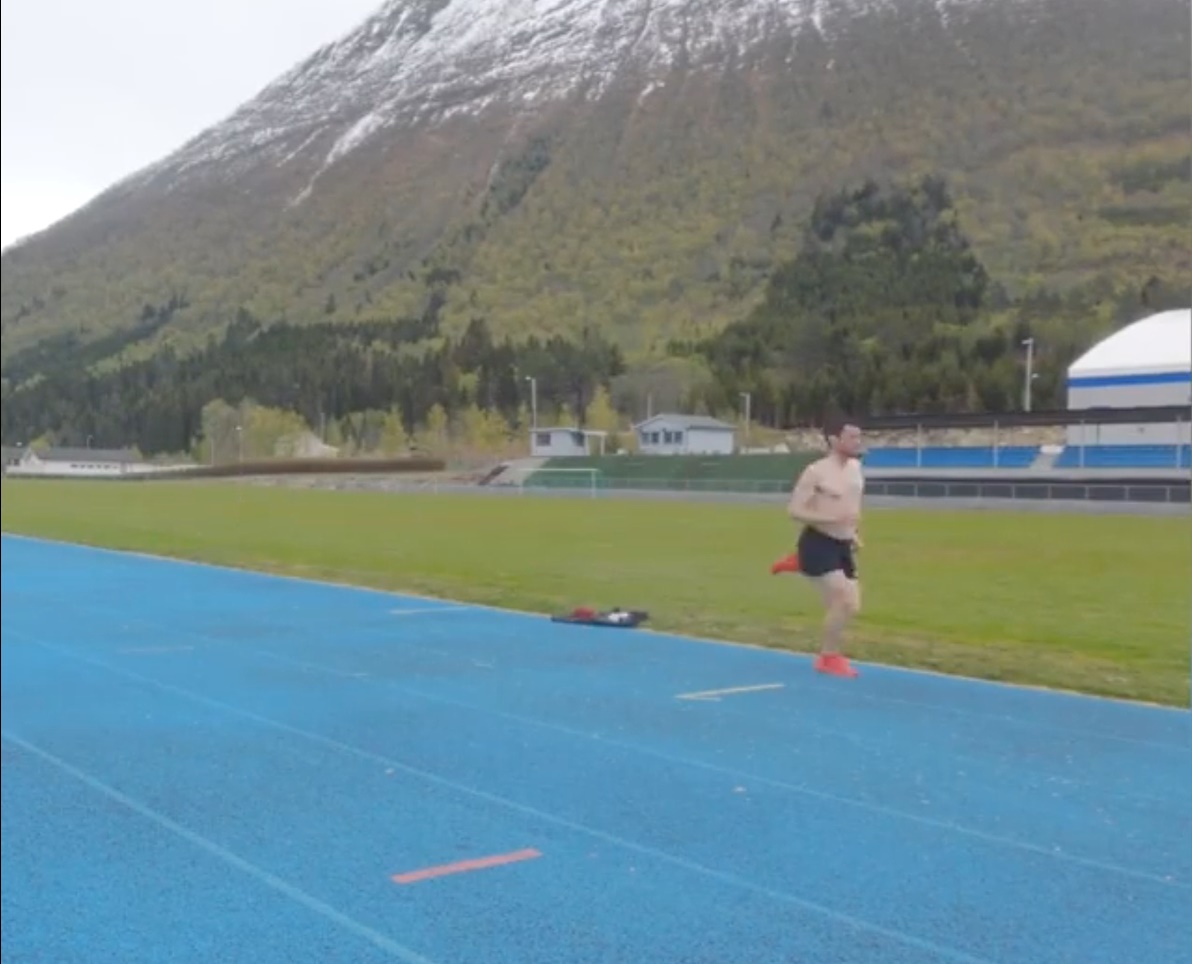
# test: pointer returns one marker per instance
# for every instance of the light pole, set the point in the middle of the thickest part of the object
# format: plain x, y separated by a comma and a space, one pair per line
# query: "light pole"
533, 401
1029, 343
748, 397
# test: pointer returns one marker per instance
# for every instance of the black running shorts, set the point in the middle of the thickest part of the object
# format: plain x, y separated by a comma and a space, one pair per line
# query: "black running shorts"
820, 554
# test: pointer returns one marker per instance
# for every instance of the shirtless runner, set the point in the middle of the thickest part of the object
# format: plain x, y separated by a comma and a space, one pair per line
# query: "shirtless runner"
827, 501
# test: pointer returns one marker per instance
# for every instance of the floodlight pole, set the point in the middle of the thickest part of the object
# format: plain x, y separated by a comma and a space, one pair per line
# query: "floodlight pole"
748, 397
1030, 372
533, 401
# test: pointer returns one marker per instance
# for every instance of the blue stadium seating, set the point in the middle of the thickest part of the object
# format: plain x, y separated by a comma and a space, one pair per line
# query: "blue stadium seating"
1023, 456
953, 457
1125, 457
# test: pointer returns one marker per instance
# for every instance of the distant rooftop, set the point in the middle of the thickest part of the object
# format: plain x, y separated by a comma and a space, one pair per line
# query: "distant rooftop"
689, 422
1157, 343
66, 454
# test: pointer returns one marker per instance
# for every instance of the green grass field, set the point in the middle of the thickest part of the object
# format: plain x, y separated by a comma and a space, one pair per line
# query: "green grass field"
1095, 603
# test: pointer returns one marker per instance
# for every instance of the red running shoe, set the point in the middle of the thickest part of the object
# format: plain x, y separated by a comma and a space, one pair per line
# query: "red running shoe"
833, 664
786, 564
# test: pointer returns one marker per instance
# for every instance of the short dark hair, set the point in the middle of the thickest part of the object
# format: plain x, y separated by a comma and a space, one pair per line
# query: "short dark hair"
834, 425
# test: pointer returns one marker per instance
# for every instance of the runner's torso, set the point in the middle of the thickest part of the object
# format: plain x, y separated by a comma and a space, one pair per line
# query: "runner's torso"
839, 488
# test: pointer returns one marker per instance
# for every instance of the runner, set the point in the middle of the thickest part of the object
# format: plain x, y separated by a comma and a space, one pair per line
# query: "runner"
827, 501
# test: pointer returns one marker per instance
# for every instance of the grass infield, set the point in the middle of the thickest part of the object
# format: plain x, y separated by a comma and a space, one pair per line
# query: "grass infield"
1101, 604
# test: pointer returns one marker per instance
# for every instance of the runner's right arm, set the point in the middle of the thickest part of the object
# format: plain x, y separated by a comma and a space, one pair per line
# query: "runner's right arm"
802, 496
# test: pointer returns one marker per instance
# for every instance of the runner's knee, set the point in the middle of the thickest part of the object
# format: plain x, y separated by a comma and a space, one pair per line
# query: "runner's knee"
846, 599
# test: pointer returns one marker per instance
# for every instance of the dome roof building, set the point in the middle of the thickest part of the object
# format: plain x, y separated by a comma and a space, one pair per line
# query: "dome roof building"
1147, 363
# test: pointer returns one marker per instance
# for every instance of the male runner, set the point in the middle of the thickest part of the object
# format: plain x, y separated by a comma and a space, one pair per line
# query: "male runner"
827, 500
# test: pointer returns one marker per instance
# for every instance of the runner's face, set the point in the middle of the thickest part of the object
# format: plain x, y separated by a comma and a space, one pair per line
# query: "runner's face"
848, 442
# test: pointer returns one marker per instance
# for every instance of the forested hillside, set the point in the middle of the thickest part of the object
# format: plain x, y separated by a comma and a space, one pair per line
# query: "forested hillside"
886, 308
869, 206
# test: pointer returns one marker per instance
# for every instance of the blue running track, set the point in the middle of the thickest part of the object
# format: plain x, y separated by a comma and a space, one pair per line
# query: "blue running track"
202, 764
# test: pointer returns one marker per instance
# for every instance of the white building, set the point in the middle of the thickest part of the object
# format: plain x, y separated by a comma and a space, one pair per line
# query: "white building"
1149, 362
553, 443
89, 463
685, 435
304, 445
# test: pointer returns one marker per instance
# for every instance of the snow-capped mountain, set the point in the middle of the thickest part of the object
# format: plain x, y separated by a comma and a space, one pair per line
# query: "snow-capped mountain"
418, 63
424, 61
635, 164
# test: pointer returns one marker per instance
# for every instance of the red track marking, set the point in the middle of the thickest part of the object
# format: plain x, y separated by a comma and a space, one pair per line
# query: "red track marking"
463, 866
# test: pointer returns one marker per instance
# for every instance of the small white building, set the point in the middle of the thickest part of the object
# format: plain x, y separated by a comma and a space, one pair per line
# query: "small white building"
685, 435
304, 445
86, 462
553, 443
1146, 363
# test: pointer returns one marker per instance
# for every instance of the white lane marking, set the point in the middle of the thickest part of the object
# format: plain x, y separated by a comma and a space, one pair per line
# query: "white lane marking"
713, 696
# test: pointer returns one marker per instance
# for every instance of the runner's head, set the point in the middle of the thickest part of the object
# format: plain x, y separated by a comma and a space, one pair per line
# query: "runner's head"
843, 437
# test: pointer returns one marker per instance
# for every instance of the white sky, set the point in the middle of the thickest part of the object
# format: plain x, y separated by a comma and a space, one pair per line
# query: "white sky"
96, 89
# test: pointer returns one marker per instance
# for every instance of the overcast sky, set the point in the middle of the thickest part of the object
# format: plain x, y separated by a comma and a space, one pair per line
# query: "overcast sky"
96, 89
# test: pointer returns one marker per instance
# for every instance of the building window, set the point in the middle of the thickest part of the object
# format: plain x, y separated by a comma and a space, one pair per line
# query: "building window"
544, 439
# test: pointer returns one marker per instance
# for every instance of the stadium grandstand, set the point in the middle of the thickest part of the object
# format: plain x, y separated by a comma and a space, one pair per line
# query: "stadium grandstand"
1129, 413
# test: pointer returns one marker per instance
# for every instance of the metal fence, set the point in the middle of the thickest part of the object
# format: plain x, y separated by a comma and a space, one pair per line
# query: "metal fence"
1065, 491
1158, 491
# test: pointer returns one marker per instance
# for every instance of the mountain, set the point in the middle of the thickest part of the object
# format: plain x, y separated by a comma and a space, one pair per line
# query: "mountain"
637, 167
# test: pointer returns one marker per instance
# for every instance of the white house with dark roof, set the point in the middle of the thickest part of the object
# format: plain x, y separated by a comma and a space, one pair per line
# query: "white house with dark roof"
685, 435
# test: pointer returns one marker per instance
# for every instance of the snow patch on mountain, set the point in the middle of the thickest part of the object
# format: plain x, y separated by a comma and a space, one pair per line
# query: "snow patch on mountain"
355, 135
417, 62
